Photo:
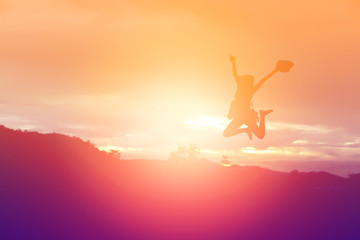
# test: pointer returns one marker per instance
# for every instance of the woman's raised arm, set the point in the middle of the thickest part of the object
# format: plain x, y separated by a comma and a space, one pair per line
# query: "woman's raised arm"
261, 82
234, 71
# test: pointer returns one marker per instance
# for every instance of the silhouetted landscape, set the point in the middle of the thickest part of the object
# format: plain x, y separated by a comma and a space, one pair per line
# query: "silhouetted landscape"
59, 187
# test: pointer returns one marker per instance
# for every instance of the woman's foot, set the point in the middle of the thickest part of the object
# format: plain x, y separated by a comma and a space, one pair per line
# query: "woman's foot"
263, 113
249, 133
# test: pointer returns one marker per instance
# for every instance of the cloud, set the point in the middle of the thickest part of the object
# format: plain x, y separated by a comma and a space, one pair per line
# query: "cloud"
355, 143
299, 127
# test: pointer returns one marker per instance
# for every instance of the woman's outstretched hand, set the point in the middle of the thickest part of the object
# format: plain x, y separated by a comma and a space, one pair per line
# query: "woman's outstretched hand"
232, 58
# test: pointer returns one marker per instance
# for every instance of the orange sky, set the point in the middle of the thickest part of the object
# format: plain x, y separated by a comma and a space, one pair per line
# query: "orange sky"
149, 76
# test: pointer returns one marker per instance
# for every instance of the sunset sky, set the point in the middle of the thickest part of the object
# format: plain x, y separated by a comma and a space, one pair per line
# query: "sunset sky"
147, 77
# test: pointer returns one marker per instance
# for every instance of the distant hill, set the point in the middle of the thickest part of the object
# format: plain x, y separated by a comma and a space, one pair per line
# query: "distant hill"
54, 186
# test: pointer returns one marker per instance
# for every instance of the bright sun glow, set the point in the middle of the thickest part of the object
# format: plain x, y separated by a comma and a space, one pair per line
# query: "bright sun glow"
207, 121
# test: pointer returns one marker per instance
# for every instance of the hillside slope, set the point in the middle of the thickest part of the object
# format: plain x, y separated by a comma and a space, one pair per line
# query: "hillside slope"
58, 187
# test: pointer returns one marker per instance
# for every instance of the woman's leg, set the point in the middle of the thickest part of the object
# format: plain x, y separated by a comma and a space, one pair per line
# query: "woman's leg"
234, 128
259, 131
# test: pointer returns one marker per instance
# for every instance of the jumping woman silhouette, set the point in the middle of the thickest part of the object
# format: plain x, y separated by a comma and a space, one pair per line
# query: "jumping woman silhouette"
241, 109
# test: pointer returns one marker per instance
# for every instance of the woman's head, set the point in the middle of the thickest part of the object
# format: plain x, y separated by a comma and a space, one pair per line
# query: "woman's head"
248, 80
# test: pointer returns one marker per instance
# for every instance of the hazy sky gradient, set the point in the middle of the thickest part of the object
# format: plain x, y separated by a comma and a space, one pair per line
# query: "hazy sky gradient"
149, 76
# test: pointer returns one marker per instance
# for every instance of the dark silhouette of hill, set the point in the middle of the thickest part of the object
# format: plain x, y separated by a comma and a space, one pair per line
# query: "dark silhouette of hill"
58, 187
